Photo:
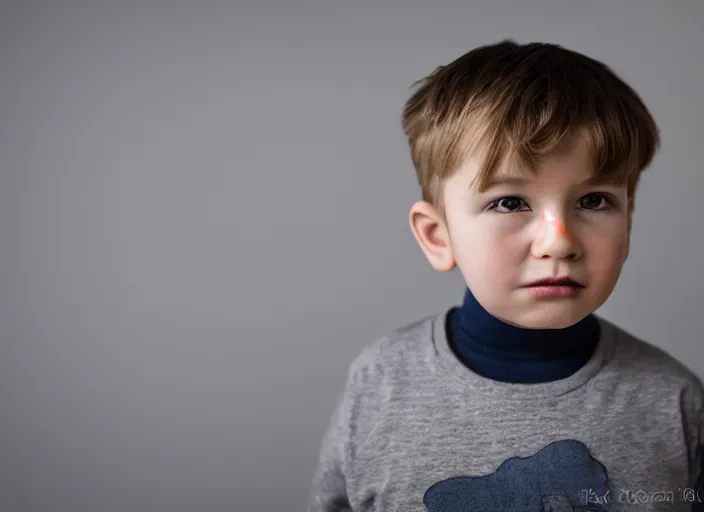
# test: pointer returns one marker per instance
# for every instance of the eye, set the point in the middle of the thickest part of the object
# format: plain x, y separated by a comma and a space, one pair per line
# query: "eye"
509, 204
594, 202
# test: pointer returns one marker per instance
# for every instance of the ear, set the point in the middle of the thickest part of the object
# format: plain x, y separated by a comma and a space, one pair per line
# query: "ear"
430, 231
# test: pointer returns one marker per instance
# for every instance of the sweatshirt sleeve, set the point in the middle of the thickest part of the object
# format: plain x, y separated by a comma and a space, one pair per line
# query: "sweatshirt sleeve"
697, 494
328, 492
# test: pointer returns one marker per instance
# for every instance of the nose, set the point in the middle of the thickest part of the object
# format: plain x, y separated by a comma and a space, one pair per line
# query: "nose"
555, 240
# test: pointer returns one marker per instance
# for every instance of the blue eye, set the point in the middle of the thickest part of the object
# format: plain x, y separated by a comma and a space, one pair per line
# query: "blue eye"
509, 204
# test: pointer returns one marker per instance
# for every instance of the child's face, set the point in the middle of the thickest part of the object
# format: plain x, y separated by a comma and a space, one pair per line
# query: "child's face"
554, 224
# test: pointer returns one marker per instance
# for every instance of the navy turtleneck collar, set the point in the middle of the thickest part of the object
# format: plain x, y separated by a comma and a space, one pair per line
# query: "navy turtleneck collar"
503, 352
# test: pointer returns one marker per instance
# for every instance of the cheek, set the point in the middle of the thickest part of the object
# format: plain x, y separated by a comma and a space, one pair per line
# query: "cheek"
506, 255
608, 252
491, 254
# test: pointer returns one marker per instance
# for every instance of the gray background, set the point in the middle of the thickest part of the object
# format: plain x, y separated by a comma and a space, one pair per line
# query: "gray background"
203, 218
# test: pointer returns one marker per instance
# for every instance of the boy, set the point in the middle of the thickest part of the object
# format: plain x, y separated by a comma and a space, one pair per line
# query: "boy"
528, 157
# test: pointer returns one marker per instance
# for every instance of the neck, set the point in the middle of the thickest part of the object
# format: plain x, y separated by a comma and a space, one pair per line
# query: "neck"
502, 351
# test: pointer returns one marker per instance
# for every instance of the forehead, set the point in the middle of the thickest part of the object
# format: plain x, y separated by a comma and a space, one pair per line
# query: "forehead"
571, 163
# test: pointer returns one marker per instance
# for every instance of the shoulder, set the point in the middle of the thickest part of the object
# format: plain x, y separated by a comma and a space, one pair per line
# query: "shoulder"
396, 352
380, 370
654, 365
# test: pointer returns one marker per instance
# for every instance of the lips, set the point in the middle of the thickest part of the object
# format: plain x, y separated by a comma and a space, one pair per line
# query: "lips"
556, 281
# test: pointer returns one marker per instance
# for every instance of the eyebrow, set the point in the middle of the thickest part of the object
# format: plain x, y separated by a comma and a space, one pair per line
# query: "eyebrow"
517, 180
507, 180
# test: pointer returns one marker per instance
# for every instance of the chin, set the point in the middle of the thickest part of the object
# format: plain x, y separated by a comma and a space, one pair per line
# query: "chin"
555, 319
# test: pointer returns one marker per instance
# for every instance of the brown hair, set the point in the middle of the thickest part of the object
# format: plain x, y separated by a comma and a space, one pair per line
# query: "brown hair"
522, 100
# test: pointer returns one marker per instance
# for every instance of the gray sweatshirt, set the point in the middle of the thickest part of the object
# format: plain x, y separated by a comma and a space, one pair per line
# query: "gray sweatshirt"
416, 430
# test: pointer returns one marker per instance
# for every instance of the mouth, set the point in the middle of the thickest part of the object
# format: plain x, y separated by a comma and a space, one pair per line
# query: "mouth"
556, 281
